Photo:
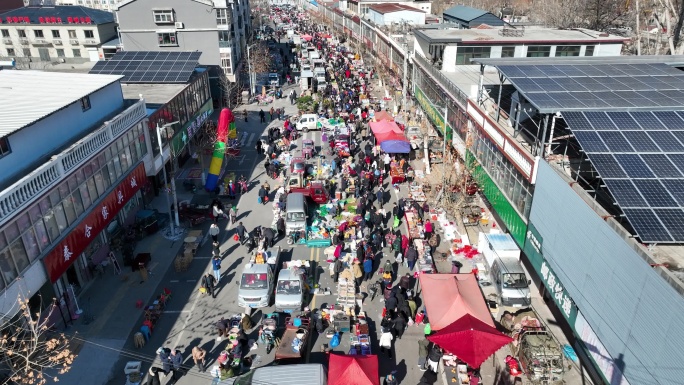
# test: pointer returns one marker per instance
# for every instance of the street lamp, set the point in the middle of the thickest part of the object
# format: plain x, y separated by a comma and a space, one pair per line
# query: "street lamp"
249, 65
173, 183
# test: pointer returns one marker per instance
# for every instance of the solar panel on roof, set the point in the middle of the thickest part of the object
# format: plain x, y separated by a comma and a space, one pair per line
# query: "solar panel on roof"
670, 119
676, 189
661, 165
600, 121
641, 141
623, 120
666, 141
673, 219
579, 121
634, 166
655, 193
615, 141
607, 166
150, 66
567, 99
626, 193
647, 226
591, 142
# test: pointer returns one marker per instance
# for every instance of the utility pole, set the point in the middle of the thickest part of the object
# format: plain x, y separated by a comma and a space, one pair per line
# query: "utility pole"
405, 84
249, 65
173, 184
444, 160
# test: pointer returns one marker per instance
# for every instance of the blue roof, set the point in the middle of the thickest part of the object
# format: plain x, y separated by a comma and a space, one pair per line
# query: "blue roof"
464, 13
502, 242
61, 13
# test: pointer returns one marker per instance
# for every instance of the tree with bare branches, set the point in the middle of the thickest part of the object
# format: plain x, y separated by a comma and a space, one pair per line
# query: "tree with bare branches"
30, 350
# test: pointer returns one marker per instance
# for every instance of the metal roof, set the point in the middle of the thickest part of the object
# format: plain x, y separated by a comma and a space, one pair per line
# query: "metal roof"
672, 60
389, 8
29, 96
464, 13
61, 12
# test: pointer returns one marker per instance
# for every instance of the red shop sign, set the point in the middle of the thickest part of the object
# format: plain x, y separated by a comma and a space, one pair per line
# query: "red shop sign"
64, 254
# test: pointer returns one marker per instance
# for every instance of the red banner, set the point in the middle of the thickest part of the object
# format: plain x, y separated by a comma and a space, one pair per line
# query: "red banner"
64, 254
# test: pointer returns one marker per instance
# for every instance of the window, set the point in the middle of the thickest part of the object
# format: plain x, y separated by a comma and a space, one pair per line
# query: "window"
38, 33
163, 16
89, 34
55, 33
464, 54
77, 52
167, 39
538, 51
507, 51
26, 52
22, 33
72, 34
224, 38
221, 16
60, 52
5, 32
589, 51
4, 146
85, 103
568, 50
226, 63
10, 52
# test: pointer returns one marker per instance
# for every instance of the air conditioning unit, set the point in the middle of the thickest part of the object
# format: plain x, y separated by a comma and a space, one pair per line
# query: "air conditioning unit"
73, 41
24, 41
89, 41
40, 41
7, 41
179, 25
57, 42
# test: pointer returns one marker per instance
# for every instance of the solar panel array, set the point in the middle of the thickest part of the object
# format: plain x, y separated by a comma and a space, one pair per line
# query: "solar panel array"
150, 66
552, 88
640, 157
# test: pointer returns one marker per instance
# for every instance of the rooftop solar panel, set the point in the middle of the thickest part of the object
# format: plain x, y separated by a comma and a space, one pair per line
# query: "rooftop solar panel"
150, 66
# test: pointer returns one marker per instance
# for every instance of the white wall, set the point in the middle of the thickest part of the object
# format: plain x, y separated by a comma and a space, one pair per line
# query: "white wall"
414, 18
449, 63
607, 50
421, 47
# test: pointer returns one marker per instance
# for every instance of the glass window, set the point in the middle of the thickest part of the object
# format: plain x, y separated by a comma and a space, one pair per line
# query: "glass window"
5, 32
568, 50
69, 210
167, 39
92, 190
9, 271
89, 34
127, 156
55, 33
464, 54
22, 33
41, 234
19, 255
589, 51
23, 222
72, 34
538, 51
99, 183
164, 16
85, 196
111, 174
117, 168
77, 203
31, 244
507, 51
77, 53
60, 52
38, 33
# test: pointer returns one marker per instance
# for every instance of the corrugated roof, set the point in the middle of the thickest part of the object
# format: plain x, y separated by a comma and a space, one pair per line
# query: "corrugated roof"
63, 12
389, 8
29, 96
464, 13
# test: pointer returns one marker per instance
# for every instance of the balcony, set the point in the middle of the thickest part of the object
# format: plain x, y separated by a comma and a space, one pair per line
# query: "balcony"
57, 42
24, 41
41, 41
25, 191
90, 42
7, 41
225, 43
73, 41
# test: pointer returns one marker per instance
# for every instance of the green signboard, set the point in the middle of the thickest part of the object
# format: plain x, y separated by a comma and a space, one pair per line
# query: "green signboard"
190, 128
533, 250
436, 116
504, 209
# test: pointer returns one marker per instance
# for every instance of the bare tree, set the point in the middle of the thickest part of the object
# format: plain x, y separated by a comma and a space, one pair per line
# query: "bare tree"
31, 350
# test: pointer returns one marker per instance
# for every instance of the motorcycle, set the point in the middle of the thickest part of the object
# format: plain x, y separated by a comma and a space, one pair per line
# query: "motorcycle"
189, 186
269, 328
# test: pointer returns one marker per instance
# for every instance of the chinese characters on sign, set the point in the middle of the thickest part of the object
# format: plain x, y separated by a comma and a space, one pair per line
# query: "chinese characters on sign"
197, 123
64, 254
559, 295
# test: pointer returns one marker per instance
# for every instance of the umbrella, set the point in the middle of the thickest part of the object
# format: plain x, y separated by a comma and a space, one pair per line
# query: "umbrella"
396, 146
307, 37
470, 339
353, 370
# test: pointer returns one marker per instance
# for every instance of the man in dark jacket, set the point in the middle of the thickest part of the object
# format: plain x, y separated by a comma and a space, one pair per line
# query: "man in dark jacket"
337, 269
209, 284
381, 196
411, 256
268, 237
391, 305
423, 350
399, 324
240, 229
262, 195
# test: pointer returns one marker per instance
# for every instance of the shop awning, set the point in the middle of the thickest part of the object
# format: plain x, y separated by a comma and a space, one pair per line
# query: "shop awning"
385, 126
396, 146
383, 115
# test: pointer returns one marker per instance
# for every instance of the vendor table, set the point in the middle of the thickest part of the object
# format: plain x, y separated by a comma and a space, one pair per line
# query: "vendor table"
413, 224
397, 175
416, 192
424, 263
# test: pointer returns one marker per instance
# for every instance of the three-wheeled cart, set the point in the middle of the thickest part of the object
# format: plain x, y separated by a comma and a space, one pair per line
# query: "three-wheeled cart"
308, 148
293, 342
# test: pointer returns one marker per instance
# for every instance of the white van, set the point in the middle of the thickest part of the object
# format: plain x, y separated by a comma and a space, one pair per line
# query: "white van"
307, 122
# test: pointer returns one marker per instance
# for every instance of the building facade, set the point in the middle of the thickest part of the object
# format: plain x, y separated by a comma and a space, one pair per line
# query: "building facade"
388, 14
361, 7
105, 5
219, 29
35, 35
467, 17
68, 199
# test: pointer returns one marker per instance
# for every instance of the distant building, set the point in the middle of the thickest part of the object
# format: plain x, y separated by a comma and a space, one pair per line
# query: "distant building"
219, 29
49, 34
105, 5
361, 7
389, 13
450, 47
467, 17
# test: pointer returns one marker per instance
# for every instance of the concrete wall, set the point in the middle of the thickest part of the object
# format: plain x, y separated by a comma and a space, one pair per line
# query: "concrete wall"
26, 286
199, 33
635, 314
42, 139
413, 18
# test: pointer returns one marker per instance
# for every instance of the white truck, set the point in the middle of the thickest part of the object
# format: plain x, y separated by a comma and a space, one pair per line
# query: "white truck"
505, 270
257, 281
292, 286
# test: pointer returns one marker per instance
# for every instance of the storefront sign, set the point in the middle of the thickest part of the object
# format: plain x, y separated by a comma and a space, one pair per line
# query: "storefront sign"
64, 254
432, 113
599, 353
191, 127
533, 250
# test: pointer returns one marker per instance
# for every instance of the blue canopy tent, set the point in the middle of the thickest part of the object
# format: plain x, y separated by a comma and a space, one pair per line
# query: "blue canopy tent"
396, 146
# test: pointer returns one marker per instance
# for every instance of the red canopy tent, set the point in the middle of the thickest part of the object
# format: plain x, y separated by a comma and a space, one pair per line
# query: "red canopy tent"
353, 370
307, 37
391, 135
383, 115
385, 126
470, 339
449, 297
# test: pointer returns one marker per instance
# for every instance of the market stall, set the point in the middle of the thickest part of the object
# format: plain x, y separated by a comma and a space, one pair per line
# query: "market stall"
353, 370
383, 116
413, 223
385, 126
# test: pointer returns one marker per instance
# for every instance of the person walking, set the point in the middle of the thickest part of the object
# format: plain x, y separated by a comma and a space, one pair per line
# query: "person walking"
216, 266
258, 147
367, 269
217, 212
411, 256
176, 361
337, 269
232, 214
262, 195
163, 354
199, 356
434, 356
391, 379
272, 113
214, 232
209, 284
358, 272
241, 230
153, 376
262, 116
381, 196
427, 228
386, 342
423, 350
399, 325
